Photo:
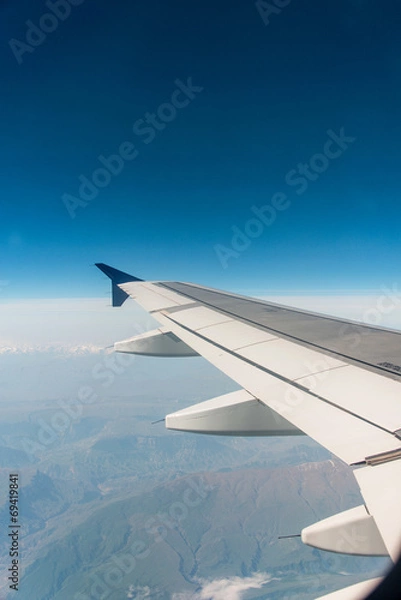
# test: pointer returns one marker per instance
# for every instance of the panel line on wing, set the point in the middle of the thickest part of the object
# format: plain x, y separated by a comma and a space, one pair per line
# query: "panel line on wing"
254, 344
322, 371
375, 367
277, 375
270, 304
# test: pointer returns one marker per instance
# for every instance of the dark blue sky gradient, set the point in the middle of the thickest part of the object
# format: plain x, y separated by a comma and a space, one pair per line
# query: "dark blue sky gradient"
270, 94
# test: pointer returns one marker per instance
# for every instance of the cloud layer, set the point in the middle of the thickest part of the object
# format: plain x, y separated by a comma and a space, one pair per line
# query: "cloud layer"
60, 349
228, 588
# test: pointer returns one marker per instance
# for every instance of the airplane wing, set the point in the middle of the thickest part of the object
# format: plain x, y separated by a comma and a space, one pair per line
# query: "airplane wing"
334, 380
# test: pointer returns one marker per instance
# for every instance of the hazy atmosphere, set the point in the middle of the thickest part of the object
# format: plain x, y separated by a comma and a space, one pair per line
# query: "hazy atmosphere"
246, 146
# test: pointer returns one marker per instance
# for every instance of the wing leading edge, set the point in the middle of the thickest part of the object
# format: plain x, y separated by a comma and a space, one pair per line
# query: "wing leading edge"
300, 372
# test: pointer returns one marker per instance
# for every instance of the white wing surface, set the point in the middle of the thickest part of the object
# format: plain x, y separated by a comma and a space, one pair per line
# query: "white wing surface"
337, 381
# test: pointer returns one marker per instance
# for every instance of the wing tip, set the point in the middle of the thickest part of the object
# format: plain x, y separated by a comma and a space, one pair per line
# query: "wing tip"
115, 275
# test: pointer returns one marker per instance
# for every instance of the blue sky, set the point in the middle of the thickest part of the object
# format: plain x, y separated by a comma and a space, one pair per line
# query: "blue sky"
266, 96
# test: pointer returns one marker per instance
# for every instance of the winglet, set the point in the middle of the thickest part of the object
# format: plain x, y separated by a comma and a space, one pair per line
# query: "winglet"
116, 276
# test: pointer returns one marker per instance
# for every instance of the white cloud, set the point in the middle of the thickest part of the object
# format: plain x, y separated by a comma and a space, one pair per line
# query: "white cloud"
138, 593
78, 325
228, 588
58, 349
